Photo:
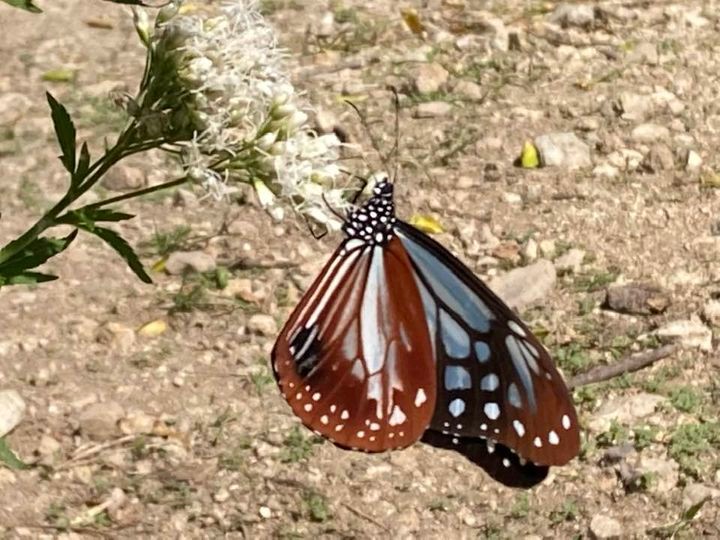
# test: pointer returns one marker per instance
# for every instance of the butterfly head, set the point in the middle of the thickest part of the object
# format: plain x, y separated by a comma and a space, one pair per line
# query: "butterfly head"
374, 222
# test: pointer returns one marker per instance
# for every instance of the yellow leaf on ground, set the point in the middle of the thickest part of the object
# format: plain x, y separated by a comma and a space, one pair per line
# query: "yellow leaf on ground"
529, 156
153, 328
159, 266
427, 224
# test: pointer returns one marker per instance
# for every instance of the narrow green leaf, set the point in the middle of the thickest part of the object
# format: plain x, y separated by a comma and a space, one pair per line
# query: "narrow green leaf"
691, 512
27, 5
83, 166
27, 278
34, 255
85, 218
59, 75
9, 458
119, 244
65, 131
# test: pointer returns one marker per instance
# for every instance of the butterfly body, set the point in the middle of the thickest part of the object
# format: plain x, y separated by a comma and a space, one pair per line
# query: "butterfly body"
397, 339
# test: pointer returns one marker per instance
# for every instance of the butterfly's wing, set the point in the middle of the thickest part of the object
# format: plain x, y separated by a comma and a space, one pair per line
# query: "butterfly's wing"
496, 459
495, 380
354, 361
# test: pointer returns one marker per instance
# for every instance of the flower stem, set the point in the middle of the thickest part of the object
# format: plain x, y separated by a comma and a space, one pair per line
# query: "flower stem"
138, 193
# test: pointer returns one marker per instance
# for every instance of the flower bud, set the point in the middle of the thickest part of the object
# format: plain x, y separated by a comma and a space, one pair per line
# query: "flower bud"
266, 141
297, 120
280, 99
283, 111
265, 195
166, 13
142, 26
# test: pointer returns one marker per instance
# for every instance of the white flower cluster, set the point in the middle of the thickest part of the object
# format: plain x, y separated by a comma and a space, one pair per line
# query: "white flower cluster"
242, 119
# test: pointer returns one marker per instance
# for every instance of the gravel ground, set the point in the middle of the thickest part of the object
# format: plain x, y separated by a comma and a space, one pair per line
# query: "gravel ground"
177, 430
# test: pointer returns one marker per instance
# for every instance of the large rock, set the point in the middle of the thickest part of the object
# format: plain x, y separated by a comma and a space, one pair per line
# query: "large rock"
262, 324
624, 410
521, 287
564, 150
637, 298
429, 78
99, 421
604, 527
580, 15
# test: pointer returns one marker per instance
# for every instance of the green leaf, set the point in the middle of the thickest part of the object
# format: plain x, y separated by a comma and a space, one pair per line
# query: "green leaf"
27, 278
118, 243
85, 218
83, 166
60, 75
27, 5
65, 131
9, 458
691, 512
39, 251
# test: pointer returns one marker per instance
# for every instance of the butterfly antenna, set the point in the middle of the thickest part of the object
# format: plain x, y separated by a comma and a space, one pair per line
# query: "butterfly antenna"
369, 132
334, 212
396, 147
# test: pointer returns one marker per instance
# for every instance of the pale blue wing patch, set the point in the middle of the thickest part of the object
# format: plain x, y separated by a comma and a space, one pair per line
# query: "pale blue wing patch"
457, 378
449, 288
455, 340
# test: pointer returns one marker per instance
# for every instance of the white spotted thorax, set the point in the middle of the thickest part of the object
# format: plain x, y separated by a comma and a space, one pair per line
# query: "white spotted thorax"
374, 222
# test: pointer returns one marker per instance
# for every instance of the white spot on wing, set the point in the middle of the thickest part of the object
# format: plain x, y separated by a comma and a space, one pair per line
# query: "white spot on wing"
492, 411
420, 397
566, 421
513, 395
553, 438
456, 407
537, 442
519, 427
397, 417
324, 419
515, 327
490, 382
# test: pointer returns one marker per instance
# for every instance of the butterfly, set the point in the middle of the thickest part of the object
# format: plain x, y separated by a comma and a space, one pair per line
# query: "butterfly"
397, 340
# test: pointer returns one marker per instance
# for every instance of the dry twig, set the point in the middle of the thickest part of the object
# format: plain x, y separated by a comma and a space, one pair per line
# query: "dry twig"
626, 365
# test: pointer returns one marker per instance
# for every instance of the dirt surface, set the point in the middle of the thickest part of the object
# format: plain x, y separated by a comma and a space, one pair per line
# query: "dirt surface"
184, 434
